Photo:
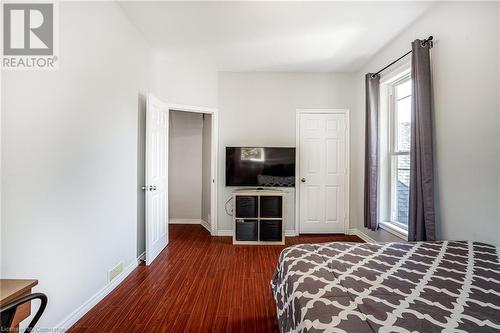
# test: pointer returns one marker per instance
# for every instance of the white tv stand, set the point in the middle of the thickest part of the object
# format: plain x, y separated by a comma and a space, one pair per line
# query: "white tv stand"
258, 217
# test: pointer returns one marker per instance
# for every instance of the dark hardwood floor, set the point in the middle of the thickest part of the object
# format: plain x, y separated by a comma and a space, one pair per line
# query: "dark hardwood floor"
198, 283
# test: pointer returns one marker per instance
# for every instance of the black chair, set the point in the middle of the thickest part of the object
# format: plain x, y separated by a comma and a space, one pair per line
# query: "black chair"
7, 312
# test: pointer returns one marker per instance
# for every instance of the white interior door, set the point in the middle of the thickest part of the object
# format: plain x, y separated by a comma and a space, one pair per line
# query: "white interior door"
323, 172
156, 177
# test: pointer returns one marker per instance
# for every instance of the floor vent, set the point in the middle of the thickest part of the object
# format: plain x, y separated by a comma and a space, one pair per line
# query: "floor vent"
115, 271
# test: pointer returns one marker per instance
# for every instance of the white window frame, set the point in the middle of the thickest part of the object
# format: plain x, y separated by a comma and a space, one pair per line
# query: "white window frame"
393, 152
387, 179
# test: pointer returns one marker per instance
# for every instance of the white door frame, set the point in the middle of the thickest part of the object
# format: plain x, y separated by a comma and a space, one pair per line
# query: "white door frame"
297, 162
214, 152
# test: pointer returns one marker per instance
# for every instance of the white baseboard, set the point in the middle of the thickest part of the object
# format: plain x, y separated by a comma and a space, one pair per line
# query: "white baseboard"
362, 235
141, 257
202, 222
224, 233
184, 221
205, 225
74, 316
290, 233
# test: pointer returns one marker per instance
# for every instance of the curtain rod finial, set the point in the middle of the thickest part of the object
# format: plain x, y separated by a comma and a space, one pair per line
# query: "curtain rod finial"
428, 40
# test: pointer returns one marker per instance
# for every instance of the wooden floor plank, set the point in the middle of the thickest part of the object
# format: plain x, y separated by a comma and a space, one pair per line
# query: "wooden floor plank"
198, 283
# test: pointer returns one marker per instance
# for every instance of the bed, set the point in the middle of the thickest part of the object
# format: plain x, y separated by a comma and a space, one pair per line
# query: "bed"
388, 287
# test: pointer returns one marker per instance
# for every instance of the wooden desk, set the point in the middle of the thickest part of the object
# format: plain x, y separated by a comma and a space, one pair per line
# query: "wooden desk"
10, 290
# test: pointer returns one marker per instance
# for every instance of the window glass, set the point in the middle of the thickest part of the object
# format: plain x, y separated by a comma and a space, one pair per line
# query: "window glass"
402, 123
401, 188
403, 89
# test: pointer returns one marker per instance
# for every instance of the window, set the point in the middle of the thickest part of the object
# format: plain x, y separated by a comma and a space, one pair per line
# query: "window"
399, 129
394, 135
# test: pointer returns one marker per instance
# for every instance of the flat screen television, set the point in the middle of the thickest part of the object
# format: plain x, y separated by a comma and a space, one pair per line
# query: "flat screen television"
260, 166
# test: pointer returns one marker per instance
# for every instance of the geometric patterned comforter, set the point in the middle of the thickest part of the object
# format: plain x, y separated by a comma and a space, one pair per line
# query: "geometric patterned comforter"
388, 287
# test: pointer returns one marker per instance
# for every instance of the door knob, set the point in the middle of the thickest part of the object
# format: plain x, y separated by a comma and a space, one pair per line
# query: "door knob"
152, 188
303, 180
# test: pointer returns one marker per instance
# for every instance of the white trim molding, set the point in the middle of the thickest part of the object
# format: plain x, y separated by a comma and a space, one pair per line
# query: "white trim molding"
394, 230
184, 221
201, 222
79, 312
192, 108
361, 235
228, 233
205, 225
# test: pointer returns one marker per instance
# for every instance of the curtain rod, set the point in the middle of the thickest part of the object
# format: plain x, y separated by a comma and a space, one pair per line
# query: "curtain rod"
425, 41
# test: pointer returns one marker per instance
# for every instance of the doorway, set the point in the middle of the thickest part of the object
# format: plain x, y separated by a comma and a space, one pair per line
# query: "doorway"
158, 178
322, 201
189, 168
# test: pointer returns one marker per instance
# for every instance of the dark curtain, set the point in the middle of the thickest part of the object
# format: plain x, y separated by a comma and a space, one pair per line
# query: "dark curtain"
371, 151
421, 222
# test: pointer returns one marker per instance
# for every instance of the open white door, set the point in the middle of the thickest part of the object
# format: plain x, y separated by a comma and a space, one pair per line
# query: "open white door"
156, 177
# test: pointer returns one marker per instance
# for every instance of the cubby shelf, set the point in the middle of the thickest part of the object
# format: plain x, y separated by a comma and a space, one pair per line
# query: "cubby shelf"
258, 217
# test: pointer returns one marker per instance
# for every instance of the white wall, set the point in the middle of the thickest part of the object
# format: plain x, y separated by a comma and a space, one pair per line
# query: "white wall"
259, 109
467, 118
498, 83
185, 165
206, 177
188, 79
69, 159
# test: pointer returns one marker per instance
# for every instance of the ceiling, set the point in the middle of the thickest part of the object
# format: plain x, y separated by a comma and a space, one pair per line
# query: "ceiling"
274, 36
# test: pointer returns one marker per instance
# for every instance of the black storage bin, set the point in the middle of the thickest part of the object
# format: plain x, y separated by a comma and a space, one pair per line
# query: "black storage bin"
270, 230
246, 206
246, 230
271, 206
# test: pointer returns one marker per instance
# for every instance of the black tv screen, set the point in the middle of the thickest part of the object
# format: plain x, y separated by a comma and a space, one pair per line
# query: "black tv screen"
260, 166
